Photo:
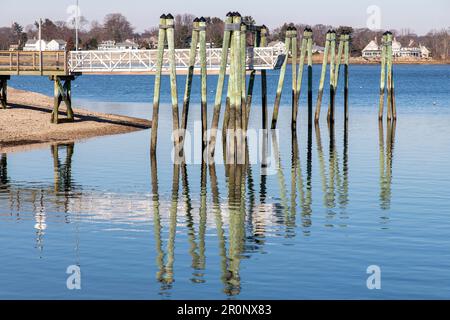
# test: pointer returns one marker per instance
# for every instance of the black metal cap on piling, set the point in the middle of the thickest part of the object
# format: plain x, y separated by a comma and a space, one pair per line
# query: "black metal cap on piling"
237, 14
333, 31
202, 19
169, 16
264, 27
163, 16
229, 14
196, 20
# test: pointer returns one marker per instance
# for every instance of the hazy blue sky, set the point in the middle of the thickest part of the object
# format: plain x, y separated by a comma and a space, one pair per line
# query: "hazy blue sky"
418, 15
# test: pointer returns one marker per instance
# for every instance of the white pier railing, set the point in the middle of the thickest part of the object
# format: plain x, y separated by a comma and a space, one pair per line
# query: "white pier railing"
136, 61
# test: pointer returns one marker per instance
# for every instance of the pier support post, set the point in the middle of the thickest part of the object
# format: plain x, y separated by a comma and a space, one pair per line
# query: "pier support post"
294, 93
309, 35
337, 69
389, 74
346, 62
220, 85
4, 91
204, 79
173, 77
157, 86
332, 77
190, 75
383, 76
281, 80
322, 76
62, 92
303, 52
243, 73
264, 83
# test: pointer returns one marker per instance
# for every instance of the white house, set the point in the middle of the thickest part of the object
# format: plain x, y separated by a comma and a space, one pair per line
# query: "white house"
107, 45
112, 45
372, 50
56, 45
35, 45
127, 45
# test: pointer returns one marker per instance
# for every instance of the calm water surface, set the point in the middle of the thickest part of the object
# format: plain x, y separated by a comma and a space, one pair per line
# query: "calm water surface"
336, 203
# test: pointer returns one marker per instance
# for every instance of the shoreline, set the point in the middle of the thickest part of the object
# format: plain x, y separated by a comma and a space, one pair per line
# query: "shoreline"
25, 124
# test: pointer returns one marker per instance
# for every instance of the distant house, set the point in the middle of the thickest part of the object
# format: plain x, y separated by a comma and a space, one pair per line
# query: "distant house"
107, 45
13, 47
112, 45
35, 45
372, 50
127, 45
56, 45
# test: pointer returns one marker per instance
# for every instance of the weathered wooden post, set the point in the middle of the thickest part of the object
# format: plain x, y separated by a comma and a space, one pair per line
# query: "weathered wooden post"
281, 79
190, 74
251, 81
394, 107
204, 79
4, 90
264, 82
303, 51
383, 76
389, 59
309, 35
243, 73
173, 77
332, 76
220, 84
294, 93
62, 92
322, 76
231, 126
157, 87
238, 86
346, 61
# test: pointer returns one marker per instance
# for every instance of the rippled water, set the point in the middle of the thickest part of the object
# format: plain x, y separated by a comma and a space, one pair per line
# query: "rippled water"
336, 203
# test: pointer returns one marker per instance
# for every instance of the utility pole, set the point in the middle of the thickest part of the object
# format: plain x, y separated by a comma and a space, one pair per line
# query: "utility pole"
77, 17
40, 34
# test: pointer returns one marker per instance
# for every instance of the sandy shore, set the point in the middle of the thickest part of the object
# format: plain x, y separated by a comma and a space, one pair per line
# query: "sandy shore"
26, 123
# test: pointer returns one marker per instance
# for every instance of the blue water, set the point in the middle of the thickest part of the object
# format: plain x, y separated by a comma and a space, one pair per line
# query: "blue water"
308, 230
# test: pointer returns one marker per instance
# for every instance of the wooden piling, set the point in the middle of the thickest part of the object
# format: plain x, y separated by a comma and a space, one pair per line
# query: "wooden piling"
56, 101
309, 34
394, 107
243, 73
332, 76
281, 80
4, 91
299, 80
264, 82
220, 84
294, 93
383, 76
173, 77
157, 86
238, 87
389, 74
204, 79
322, 76
346, 65
190, 75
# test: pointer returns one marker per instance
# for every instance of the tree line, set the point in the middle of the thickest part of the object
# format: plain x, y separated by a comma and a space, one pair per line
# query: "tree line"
116, 27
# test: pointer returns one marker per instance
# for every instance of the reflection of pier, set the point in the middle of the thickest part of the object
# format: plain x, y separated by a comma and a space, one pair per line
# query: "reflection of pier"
241, 218
386, 159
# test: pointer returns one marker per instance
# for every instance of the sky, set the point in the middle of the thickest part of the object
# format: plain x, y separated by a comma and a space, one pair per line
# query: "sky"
418, 15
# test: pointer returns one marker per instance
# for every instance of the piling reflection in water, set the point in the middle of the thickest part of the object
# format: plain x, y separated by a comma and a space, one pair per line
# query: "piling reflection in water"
386, 161
242, 213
